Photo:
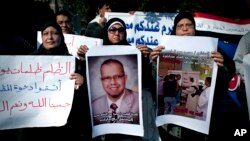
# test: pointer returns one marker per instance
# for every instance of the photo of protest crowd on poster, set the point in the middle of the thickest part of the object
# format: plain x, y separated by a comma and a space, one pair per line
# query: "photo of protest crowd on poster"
185, 76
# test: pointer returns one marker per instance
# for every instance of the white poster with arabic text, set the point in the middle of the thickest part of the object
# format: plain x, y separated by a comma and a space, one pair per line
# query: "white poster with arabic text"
35, 91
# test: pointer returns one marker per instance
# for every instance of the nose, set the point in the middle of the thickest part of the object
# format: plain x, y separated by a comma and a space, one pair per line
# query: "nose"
50, 36
185, 27
116, 32
113, 80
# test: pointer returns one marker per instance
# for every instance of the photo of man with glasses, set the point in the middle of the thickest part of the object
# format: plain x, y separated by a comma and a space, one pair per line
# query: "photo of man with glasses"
119, 104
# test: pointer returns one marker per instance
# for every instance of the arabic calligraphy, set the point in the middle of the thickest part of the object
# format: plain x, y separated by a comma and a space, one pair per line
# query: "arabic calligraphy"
148, 41
35, 90
22, 106
142, 32
71, 42
150, 26
54, 69
36, 87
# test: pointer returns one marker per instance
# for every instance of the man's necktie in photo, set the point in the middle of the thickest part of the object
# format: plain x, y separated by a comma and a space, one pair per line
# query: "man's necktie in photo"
113, 106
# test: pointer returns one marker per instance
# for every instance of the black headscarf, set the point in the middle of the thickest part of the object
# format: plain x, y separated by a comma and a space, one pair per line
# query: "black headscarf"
180, 16
105, 30
60, 50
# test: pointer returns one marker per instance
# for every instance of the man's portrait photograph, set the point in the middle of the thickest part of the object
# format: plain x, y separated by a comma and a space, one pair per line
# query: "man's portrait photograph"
115, 99
114, 89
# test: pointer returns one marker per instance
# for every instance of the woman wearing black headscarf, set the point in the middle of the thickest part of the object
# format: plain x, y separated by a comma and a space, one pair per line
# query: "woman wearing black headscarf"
52, 41
115, 34
78, 125
184, 25
53, 44
110, 29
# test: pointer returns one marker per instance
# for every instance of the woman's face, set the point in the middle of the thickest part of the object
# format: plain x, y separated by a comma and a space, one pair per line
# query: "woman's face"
185, 28
116, 33
51, 38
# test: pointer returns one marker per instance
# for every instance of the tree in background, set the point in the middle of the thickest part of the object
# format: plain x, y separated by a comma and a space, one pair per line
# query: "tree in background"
86, 9
223, 8
79, 10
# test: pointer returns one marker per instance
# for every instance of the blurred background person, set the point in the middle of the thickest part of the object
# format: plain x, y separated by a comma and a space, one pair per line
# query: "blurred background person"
169, 89
64, 19
203, 100
95, 26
